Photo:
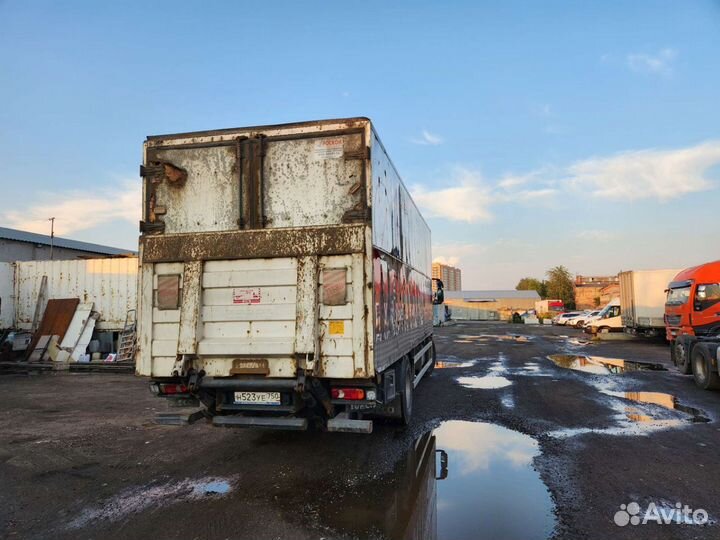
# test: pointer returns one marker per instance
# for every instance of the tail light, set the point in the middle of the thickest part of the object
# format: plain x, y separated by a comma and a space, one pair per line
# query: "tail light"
172, 389
347, 393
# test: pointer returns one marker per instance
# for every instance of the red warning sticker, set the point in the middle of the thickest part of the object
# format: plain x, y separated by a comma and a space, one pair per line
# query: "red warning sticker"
247, 296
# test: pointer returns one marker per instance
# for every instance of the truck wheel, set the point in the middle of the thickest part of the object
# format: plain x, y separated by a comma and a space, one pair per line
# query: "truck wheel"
705, 377
680, 357
407, 395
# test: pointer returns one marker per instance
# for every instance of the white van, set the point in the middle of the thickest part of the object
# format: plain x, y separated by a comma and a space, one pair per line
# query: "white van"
608, 320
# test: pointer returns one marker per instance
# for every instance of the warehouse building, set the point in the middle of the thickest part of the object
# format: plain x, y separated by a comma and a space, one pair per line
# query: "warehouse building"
18, 245
489, 305
449, 275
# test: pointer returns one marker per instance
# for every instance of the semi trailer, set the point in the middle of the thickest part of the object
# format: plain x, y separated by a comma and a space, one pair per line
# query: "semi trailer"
642, 300
284, 277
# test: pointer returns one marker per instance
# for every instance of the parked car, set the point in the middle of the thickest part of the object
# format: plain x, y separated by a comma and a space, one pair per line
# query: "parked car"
581, 320
562, 319
572, 321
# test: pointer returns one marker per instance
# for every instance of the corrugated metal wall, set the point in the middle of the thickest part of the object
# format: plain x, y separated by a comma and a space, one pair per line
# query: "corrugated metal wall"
7, 296
110, 283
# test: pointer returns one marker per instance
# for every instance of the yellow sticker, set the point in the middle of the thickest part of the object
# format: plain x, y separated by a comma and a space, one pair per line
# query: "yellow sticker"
337, 327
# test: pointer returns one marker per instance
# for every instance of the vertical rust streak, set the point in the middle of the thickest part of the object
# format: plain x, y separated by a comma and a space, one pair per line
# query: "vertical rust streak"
245, 183
239, 165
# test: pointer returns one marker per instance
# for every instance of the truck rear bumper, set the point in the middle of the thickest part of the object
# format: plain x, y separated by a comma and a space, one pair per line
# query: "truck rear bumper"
267, 422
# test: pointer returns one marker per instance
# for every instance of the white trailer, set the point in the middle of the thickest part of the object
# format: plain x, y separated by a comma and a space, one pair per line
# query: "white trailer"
284, 276
109, 284
642, 300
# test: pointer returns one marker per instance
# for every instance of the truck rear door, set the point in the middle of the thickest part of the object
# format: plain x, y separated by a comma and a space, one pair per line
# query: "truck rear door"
240, 314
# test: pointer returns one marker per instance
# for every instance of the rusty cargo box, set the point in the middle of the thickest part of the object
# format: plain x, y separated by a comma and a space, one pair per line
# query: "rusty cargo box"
278, 252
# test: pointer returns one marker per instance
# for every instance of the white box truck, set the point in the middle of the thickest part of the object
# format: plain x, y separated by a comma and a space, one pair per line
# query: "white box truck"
642, 300
284, 277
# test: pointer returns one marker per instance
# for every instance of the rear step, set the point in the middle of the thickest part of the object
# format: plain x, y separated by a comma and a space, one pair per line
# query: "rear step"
178, 418
298, 424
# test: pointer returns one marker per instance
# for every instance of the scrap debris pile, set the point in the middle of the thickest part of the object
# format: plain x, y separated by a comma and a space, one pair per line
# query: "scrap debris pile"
66, 338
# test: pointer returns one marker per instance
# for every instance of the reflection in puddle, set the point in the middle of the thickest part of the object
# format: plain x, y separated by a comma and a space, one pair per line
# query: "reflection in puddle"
450, 363
464, 480
601, 365
488, 382
519, 338
640, 413
508, 400
661, 399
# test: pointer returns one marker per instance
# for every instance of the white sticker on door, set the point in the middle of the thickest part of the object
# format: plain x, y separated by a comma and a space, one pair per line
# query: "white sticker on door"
247, 296
329, 148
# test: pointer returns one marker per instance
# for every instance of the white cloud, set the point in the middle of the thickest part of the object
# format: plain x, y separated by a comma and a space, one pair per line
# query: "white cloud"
449, 261
78, 210
468, 200
660, 63
511, 181
427, 138
644, 174
633, 175
455, 254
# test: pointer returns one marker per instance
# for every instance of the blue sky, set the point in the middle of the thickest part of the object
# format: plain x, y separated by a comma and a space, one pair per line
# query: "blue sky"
531, 133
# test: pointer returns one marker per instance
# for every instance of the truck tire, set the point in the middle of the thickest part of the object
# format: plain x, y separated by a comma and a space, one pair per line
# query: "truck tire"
406, 398
680, 356
705, 377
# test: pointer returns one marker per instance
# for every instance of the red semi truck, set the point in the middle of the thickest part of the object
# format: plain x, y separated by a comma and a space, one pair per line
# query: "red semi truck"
692, 316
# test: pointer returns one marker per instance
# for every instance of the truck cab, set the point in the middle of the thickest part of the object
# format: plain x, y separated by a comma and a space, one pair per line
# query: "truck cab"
692, 311
692, 306
608, 320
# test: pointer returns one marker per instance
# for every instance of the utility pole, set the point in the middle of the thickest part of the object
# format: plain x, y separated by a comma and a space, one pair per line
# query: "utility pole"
52, 235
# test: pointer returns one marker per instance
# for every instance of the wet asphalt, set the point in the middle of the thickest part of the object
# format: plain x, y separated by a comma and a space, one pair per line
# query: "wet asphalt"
504, 443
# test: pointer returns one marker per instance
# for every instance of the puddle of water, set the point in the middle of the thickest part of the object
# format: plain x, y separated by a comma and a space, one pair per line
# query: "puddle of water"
640, 413
601, 365
488, 382
455, 363
497, 367
139, 499
215, 487
660, 399
464, 480
508, 400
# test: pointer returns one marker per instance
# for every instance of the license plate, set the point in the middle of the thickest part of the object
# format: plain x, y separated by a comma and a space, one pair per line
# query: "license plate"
257, 398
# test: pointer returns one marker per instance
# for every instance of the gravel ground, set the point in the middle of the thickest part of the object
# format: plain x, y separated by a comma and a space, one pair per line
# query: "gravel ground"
80, 456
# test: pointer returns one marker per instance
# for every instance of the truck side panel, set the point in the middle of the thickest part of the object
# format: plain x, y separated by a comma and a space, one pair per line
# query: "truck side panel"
401, 265
642, 297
